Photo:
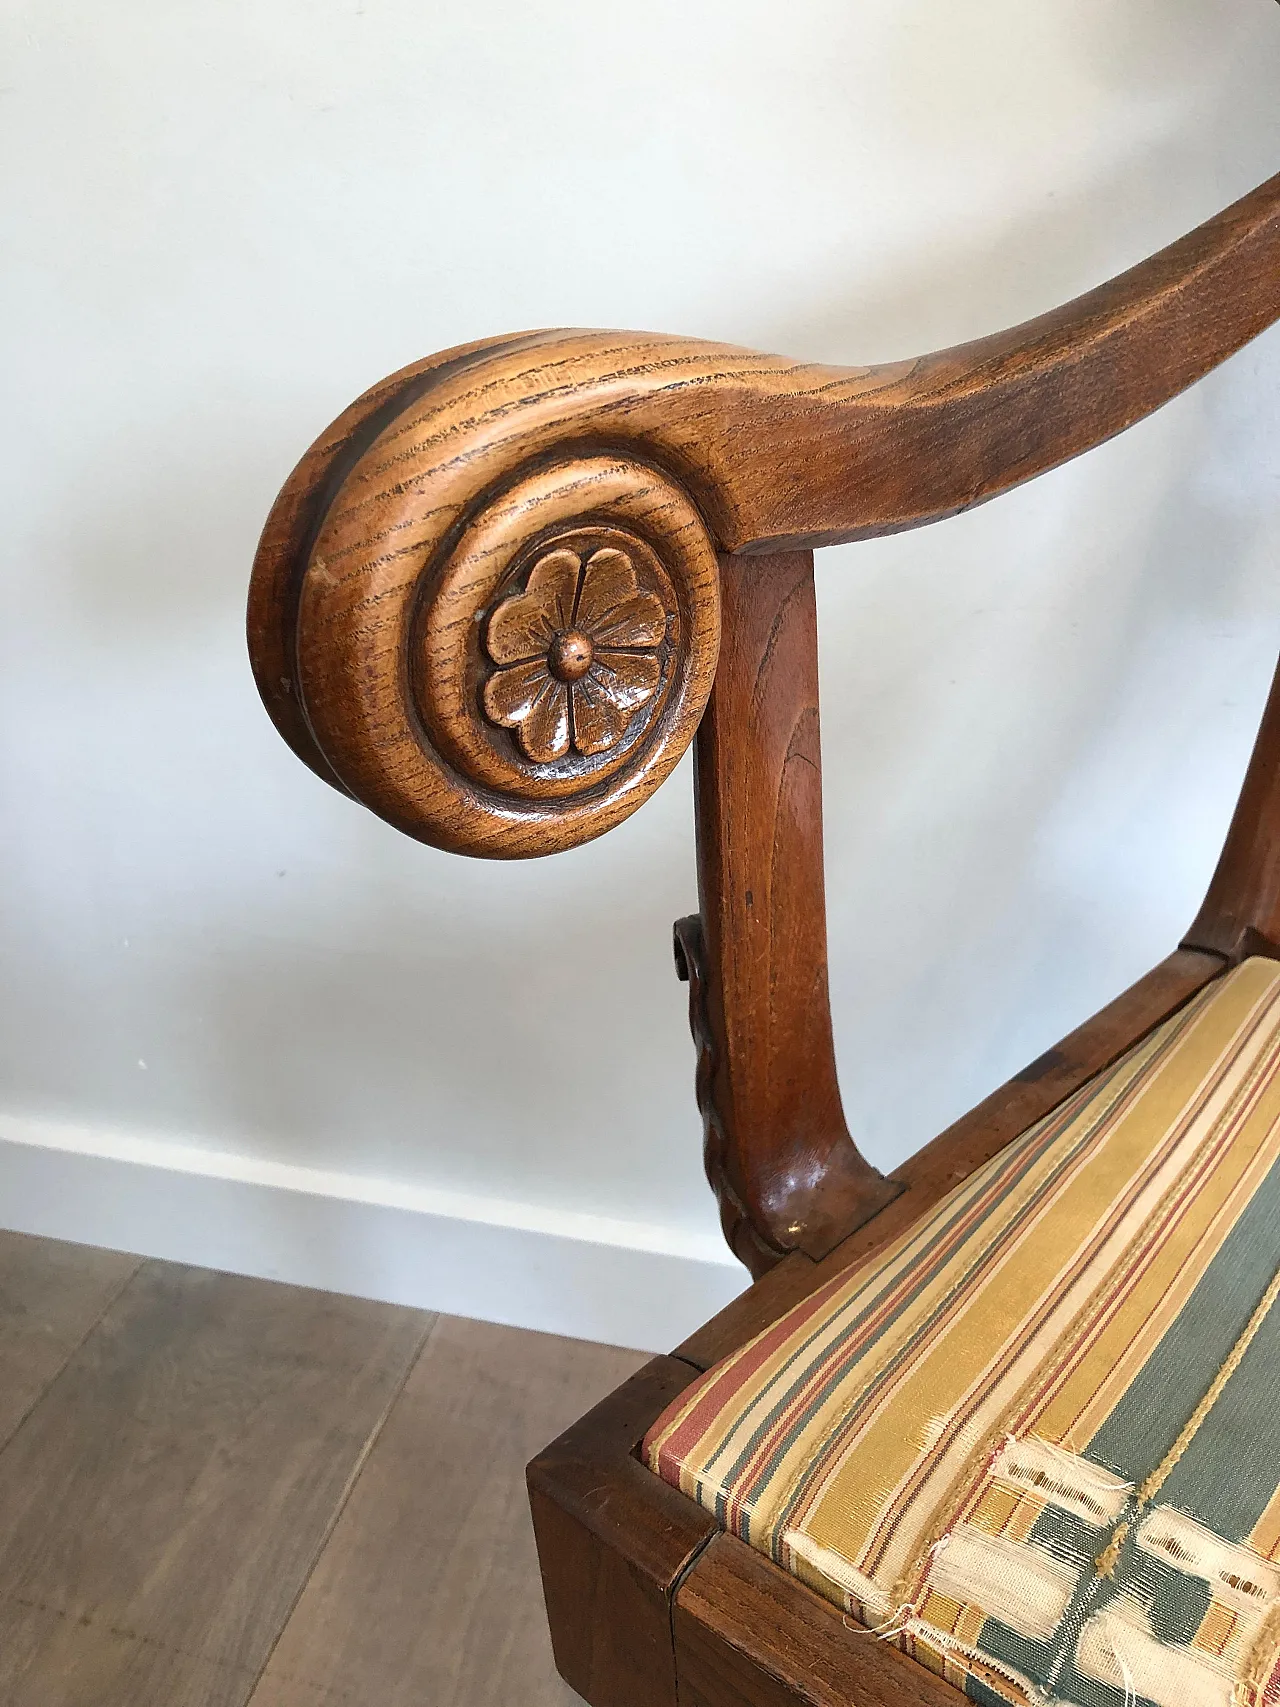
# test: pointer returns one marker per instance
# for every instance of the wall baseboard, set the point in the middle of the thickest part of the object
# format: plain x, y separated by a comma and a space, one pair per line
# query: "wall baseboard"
560, 1272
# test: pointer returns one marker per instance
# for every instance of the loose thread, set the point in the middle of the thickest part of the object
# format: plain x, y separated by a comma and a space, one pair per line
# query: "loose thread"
1130, 1693
885, 1632
897, 1621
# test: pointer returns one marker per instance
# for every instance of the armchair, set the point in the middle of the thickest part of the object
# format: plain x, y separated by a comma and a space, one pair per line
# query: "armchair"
495, 603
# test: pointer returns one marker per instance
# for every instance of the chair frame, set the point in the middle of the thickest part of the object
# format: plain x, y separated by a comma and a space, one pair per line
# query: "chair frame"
388, 550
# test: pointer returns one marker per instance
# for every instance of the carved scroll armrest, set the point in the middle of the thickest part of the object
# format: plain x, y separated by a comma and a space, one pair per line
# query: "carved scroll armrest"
428, 549
494, 598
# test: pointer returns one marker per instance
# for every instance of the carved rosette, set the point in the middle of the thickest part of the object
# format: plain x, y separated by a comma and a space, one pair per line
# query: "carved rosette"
502, 661
563, 669
576, 654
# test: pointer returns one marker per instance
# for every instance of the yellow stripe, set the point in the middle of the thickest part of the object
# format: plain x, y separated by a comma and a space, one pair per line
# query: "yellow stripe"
995, 1312
975, 1349
1059, 1379
1105, 1374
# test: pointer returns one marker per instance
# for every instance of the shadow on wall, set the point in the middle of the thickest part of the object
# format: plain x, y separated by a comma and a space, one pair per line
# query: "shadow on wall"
215, 945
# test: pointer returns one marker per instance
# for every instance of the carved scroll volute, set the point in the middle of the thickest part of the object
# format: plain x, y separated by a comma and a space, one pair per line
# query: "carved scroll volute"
501, 645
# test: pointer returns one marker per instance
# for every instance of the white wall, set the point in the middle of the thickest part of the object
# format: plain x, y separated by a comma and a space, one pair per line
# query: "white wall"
223, 220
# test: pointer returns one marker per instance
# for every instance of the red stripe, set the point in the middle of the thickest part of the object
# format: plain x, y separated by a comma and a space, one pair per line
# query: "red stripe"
722, 1385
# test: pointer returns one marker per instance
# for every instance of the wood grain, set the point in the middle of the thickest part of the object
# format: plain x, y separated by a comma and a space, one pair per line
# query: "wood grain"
613, 1541
379, 559
965, 1145
1241, 911
403, 684
748, 1634
428, 1588
778, 1151
298, 514
166, 1499
51, 1294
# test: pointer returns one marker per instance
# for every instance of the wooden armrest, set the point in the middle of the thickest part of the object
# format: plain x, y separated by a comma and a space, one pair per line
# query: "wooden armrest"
497, 598
429, 501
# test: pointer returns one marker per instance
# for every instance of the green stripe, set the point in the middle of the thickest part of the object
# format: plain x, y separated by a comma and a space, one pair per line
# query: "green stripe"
1150, 1414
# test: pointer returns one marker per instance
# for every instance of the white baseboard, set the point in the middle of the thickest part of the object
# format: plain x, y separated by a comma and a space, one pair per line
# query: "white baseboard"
562, 1272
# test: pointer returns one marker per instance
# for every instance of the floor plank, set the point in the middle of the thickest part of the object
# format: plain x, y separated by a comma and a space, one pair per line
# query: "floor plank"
165, 1500
51, 1294
428, 1590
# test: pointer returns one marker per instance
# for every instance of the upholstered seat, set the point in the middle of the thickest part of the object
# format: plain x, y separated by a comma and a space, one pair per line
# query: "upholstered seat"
1036, 1440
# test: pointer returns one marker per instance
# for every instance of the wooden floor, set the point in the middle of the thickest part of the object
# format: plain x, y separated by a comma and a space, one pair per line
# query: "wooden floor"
218, 1492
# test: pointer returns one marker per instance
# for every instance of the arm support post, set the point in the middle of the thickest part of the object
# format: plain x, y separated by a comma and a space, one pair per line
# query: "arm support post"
778, 1151
1241, 912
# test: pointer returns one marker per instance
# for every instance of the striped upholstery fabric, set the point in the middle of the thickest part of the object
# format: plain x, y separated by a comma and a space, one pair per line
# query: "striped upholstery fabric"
1036, 1441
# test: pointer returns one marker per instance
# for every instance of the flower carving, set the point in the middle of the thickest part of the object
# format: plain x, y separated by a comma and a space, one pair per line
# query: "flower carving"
577, 654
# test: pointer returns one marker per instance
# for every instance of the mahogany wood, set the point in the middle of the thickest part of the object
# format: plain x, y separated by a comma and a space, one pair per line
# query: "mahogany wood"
965, 1145
613, 1541
296, 518
778, 1152
1241, 912
432, 499
748, 1634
